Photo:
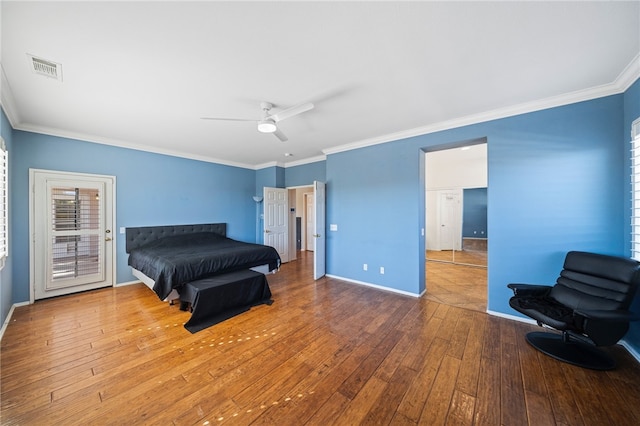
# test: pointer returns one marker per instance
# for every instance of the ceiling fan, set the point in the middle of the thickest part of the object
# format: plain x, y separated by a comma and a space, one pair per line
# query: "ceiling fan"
267, 124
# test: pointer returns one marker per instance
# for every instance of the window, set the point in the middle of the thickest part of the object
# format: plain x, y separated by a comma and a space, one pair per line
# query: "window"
4, 201
635, 189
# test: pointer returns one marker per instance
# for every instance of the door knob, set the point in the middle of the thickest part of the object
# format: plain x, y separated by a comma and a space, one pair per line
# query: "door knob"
316, 235
107, 239
266, 231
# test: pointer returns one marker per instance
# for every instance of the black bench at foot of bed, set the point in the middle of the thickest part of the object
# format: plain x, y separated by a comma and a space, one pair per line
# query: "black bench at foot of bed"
221, 297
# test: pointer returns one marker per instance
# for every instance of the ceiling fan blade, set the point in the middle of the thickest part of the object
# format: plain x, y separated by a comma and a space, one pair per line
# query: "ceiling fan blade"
290, 112
227, 119
280, 135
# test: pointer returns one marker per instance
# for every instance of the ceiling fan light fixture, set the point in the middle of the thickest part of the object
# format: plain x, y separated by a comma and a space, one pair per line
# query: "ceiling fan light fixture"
267, 126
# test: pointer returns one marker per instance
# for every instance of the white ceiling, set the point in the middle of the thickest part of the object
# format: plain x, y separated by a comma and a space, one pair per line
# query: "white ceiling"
141, 74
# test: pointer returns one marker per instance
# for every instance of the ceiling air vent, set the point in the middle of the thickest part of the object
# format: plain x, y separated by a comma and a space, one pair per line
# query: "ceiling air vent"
44, 67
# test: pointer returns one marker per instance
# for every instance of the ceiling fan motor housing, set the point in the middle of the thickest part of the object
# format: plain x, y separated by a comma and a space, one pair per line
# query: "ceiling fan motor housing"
267, 126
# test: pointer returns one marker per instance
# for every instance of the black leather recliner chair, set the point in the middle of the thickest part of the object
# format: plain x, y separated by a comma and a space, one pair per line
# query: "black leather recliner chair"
589, 304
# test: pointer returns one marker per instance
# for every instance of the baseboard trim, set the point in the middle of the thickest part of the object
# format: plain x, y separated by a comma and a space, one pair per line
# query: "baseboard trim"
378, 287
127, 283
511, 317
9, 315
634, 353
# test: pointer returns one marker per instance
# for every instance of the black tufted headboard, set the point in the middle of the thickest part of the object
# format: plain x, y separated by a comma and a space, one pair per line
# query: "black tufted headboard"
140, 236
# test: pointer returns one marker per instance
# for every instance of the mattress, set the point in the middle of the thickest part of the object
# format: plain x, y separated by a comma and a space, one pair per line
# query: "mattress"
176, 260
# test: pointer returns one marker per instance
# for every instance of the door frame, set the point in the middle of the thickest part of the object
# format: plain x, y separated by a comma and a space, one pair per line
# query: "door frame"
32, 222
425, 220
309, 191
319, 229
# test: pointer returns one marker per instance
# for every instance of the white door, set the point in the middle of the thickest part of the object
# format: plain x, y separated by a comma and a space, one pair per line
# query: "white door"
291, 244
450, 221
310, 221
276, 222
71, 227
319, 261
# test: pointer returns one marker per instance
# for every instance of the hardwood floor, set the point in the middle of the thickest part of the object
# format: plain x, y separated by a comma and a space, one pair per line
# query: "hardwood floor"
470, 257
326, 352
462, 286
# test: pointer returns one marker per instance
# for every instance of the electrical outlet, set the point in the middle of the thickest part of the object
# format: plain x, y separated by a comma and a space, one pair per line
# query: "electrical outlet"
382, 270
365, 266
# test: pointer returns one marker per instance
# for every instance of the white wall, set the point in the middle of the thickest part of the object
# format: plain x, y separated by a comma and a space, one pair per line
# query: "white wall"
457, 168
452, 170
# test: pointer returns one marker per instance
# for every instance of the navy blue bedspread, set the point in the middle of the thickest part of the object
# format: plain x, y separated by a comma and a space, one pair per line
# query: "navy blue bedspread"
174, 261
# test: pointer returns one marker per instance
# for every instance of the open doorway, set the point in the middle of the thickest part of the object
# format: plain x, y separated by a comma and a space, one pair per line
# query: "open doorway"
285, 231
301, 222
456, 225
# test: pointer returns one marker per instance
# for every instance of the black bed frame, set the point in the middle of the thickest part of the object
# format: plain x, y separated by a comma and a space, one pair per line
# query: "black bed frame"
136, 237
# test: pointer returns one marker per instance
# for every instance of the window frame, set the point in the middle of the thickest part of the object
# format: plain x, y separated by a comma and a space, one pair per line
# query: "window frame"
635, 189
4, 203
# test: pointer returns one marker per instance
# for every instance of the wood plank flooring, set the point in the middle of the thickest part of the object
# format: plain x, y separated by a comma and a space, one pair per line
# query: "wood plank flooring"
326, 352
463, 286
469, 257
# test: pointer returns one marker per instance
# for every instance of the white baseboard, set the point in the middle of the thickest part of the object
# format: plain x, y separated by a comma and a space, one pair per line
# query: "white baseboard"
379, 287
9, 315
127, 283
634, 353
511, 317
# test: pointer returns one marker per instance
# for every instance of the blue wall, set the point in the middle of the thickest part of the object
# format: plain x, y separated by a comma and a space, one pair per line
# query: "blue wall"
555, 184
376, 207
272, 177
6, 275
474, 213
305, 174
152, 189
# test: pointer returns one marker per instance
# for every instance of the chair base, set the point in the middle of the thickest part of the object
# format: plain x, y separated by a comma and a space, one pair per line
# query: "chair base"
572, 352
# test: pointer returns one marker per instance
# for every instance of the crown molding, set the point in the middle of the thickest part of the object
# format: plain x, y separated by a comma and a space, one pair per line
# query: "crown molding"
291, 163
121, 144
306, 161
7, 100
625, 79
629, 75
267, 165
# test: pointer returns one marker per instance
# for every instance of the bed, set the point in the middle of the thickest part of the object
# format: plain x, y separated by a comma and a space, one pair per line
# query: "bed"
165, 258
